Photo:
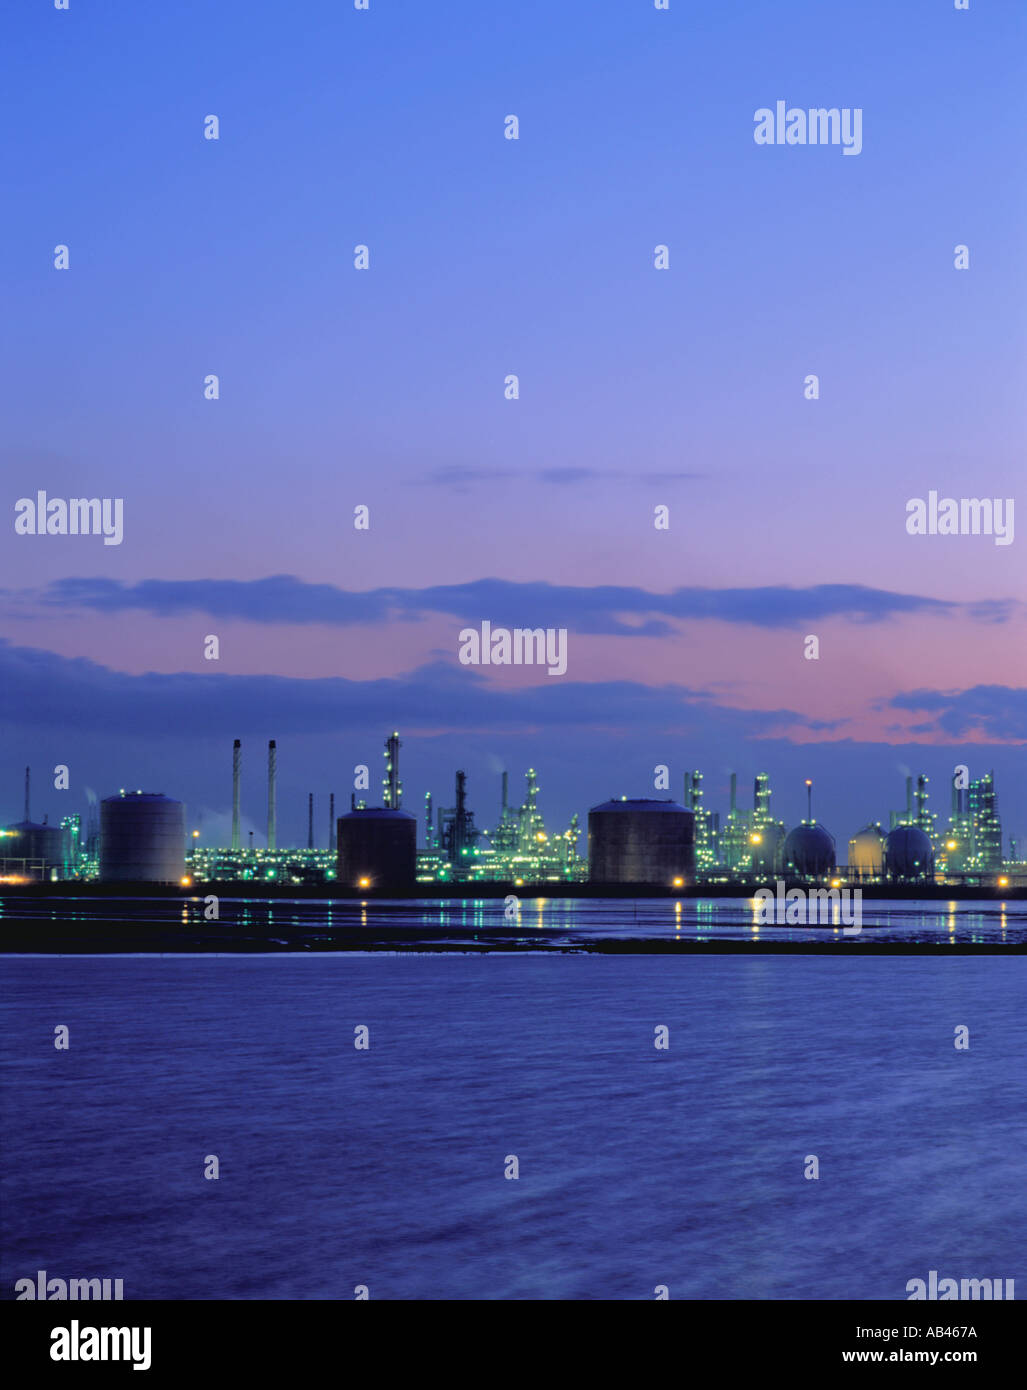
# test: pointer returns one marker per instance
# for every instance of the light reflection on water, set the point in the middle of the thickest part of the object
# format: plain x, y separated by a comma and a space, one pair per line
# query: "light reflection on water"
537, 924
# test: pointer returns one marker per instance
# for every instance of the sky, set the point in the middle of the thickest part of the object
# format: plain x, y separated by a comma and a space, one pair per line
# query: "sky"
639, 388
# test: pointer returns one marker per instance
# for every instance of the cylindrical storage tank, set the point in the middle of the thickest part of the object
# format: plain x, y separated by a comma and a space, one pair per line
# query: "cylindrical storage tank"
908, 856
866, 852
142, 838
27, 840
377, 849
809, 852
641, 842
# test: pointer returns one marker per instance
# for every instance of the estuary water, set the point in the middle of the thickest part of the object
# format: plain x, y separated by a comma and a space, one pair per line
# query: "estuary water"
88, 924
637, 1166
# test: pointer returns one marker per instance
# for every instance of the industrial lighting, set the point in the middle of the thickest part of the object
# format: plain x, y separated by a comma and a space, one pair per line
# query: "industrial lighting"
1003, 883
363, 883
196, 834
756, 839
678, 883
950, 844
186, 882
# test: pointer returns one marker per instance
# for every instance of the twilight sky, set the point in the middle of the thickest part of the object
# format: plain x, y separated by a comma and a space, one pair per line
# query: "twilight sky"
637, 388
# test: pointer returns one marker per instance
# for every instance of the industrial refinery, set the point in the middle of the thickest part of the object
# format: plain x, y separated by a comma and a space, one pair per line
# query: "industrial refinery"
632, 843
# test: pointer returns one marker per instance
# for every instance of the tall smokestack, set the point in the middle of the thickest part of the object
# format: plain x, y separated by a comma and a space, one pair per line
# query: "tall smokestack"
809, 800
272, 779
460, 816
391, 785
909, 801
310, 821
428, 827
506, 778
28, 803
734, 792
331, 822
236, 775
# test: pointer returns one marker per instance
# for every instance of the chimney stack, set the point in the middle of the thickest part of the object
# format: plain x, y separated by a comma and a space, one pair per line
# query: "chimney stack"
331, 822
272, 779
27, 799
236, 774
310, 821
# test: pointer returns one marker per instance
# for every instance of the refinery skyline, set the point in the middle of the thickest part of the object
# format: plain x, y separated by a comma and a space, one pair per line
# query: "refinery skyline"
661, 488
457, 836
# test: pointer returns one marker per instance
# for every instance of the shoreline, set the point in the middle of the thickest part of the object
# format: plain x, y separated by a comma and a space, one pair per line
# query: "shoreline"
237, 890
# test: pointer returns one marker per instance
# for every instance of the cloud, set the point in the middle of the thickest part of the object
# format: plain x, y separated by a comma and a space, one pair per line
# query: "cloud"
602, 609
994, 712
462, 477
590, 741
39, 688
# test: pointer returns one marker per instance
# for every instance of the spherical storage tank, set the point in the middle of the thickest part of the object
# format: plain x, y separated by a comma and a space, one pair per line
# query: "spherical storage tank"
641, 842
866, 852
377, 849
809, 851
142, 838
908, 855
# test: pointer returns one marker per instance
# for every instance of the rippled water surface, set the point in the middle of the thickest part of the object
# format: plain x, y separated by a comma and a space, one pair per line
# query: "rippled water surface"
638, 1167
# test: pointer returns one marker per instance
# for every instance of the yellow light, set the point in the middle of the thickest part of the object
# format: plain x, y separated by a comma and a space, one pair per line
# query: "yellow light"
1003, 883
196, 834
950, 844
678, 883
756, 839
836, 883
540, 836
363, 883
186, 881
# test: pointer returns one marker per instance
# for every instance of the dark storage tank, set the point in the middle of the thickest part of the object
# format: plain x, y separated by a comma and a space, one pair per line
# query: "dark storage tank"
142, 838
908, 856
27, 840
377, 849
809, 851
641, 842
